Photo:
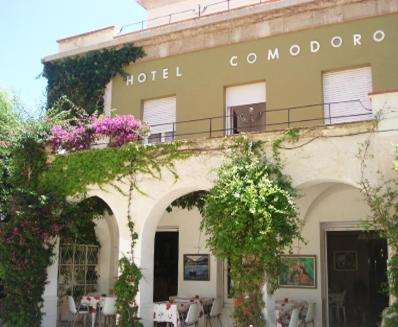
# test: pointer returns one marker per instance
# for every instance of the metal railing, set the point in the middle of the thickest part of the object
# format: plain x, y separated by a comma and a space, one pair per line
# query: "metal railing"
274, 119
225, 5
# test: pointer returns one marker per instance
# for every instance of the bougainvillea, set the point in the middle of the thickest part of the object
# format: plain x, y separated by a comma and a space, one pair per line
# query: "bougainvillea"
119, 130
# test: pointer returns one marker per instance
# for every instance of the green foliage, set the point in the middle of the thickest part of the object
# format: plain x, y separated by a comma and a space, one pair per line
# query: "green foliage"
35, 188
73, 173
83, 78
383, 203
251, 220
9, 119
189, 201
126, 289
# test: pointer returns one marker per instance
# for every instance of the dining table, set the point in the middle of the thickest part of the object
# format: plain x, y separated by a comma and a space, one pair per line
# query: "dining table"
92, 302
174, 310
285, 307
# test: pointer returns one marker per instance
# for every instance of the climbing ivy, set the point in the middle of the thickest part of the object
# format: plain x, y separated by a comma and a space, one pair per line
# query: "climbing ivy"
83, 78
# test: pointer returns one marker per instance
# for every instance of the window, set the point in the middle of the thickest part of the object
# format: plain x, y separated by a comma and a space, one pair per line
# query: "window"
346, 95
77, 269
160, 115
246, 108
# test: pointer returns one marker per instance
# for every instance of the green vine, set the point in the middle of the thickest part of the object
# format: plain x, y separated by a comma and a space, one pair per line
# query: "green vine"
35, 192
383, 203
83, 78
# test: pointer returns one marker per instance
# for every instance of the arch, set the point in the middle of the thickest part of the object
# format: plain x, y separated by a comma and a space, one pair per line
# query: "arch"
146, 240
107, 234
314, 182
324, 188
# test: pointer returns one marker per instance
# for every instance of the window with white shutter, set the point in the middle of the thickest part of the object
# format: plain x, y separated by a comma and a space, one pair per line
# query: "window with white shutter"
346, 95
160, 115
245, 108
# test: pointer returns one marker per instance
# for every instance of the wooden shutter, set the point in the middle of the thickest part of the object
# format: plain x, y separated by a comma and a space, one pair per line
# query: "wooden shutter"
350, 88
160, 114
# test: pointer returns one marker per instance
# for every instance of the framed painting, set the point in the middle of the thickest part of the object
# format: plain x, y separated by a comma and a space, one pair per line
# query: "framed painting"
196, 267
345, 260
298, 271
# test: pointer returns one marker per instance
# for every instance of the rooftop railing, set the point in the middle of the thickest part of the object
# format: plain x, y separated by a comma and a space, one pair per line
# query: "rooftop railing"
197, 12
265, 121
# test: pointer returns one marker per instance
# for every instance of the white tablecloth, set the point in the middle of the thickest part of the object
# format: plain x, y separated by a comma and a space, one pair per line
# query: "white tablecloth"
92, 302
170, 311
166, 312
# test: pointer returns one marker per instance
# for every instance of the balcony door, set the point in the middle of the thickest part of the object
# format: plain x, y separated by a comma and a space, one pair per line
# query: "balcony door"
246, 108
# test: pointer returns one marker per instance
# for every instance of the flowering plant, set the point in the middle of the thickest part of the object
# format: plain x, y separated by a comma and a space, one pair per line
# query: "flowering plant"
88, 130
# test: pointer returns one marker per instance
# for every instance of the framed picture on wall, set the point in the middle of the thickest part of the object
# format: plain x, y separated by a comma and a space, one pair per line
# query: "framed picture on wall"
345, 260
196, 267
298, 271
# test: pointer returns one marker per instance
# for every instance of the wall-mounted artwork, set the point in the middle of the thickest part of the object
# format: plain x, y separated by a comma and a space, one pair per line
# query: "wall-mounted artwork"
196, 267
345, 260
298, 271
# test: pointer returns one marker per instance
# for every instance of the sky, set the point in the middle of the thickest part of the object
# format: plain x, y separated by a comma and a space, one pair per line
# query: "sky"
29, 30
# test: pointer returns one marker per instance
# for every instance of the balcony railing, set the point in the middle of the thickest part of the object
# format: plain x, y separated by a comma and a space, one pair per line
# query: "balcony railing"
197, 12
272, 119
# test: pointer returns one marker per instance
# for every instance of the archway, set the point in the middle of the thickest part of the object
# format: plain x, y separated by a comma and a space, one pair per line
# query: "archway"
204, 280
88, 258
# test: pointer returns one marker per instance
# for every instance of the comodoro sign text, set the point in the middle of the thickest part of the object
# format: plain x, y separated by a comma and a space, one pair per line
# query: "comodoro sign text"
295, 49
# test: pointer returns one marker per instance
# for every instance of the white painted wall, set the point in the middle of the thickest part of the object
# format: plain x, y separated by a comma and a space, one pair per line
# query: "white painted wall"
108, 236
327, 205
191, 241
323, 165
50, 293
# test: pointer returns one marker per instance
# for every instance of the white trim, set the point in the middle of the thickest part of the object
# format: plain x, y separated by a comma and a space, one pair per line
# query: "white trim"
167, 229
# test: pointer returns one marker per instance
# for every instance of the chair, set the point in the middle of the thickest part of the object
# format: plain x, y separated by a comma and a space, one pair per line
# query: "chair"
336, 304
309, 316
192, 315
109, 309
294, 318
76, 312
215, 311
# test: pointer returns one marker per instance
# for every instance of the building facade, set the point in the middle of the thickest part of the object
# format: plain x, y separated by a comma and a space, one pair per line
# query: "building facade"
216, 69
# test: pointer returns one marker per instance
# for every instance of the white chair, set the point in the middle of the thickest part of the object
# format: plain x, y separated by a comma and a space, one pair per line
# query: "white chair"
309, 316
109, 310
215, 311
81, 311
294, 318
336, 304
192, 315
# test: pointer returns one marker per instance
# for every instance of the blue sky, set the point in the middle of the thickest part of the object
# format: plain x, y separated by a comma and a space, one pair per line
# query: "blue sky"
29, 30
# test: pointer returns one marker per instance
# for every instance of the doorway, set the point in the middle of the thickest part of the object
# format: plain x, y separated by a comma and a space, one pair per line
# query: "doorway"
165, 275
357, 278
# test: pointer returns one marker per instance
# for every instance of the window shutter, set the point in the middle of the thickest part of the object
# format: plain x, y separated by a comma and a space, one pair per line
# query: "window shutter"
160, 114
351, 85
245, 94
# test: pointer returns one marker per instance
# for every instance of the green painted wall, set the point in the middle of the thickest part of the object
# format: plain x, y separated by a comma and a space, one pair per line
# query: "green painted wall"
290, 81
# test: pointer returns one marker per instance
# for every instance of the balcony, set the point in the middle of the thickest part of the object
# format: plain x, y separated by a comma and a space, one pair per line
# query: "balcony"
253, 120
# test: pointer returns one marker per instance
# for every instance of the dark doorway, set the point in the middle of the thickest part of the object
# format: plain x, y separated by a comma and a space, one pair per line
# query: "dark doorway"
357, 278
165, 273
248, 118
